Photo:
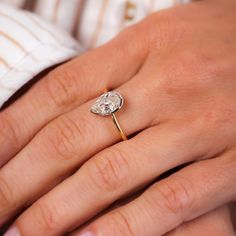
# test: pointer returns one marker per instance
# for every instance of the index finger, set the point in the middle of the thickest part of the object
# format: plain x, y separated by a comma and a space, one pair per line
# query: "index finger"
69, 86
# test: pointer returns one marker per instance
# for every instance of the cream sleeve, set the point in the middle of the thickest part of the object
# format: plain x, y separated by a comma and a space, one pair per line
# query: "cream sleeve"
28, 45
32, 42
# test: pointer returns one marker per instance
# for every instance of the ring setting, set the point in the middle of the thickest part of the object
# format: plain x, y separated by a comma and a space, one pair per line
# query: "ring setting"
106, 105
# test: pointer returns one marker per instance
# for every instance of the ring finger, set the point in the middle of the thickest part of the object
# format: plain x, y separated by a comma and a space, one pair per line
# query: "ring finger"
68, 86
61, 147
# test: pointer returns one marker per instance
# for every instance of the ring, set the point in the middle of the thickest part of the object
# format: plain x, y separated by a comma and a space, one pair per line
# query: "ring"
106, 105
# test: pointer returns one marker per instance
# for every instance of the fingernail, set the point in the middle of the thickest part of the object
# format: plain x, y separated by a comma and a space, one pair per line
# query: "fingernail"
87, 233
13, 231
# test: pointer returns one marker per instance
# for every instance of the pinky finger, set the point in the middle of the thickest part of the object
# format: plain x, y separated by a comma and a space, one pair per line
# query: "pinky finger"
183, 196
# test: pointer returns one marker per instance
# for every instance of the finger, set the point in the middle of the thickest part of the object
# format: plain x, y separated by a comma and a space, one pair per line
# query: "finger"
69, 86
184, 196
103, 179
63, 145
217, 223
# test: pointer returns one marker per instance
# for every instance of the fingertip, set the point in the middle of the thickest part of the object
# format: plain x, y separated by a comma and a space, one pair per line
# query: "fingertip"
12, 231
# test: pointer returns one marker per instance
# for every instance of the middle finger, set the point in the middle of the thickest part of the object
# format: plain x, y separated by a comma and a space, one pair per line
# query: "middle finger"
61, 147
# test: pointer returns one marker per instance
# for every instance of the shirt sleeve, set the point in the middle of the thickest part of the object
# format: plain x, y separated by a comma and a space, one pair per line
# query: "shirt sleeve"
28, 45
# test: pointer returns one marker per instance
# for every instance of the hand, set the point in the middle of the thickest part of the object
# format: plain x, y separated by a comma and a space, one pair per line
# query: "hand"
176, 71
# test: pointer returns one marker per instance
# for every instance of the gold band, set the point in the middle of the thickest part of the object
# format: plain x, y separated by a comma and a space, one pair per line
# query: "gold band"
124, 138
106, 105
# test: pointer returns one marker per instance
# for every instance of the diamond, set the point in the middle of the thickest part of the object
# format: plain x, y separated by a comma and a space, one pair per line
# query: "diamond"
107, 103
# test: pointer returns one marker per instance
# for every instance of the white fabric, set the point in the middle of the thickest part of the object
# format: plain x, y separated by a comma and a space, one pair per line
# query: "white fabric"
39, 45
32, 42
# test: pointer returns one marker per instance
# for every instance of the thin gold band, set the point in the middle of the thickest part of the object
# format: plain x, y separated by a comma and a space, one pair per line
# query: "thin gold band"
124, 138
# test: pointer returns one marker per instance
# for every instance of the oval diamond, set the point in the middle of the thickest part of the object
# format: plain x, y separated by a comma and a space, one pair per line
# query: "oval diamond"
107, 103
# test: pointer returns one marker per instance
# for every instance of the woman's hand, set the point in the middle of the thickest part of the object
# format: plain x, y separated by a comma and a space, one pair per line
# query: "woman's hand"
176, 71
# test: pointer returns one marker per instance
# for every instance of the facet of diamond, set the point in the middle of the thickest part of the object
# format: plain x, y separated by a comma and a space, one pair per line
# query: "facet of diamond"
107, 103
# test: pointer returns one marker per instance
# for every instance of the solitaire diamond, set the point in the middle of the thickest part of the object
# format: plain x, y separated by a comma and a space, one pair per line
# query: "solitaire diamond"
107, 103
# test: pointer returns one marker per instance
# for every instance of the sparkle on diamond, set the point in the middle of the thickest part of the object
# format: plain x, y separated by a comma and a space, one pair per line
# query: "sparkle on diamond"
107, 103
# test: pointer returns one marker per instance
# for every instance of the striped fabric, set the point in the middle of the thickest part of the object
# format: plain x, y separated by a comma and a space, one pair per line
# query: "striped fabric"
36, 34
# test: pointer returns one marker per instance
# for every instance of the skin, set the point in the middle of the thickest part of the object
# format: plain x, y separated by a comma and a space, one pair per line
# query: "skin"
217, 223
176, 71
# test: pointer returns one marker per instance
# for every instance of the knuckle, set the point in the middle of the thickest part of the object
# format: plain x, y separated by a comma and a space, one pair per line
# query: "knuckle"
62, 86
9, 129
176, 74
129, 36
46, 217
6, 195
206, 71
161, 31
175, 196
167, 30
110, 170
204, 66
229, 162
121, 223
66, 136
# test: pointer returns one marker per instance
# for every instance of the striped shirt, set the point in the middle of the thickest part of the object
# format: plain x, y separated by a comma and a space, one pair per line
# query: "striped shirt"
36, 34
